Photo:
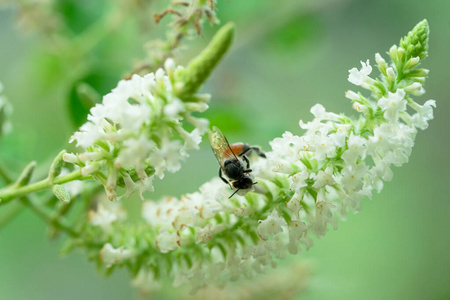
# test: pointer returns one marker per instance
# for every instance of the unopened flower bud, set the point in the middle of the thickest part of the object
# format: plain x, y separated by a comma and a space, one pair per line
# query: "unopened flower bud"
381, 63
411, 63
393, 53
352, 95
415, 89
390, 74
61, 193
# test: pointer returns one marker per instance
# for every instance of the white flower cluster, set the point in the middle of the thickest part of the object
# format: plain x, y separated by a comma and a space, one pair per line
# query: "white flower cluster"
308, 181
303, 186
137, 133
5, 113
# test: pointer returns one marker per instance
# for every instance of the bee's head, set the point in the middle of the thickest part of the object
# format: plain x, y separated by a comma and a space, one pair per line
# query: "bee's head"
244, 183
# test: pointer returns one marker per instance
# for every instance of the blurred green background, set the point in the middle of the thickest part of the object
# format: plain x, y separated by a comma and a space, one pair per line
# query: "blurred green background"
287, 56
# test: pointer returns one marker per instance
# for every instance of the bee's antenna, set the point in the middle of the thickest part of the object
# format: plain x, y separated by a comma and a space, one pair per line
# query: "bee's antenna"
233, 193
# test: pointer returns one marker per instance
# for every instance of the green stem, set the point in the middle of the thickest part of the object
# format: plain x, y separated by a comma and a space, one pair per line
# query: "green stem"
8, 194
4, 175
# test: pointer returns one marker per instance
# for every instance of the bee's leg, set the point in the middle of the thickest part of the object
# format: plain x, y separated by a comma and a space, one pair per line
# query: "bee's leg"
247, 161
221, 177
255, 149
258, 151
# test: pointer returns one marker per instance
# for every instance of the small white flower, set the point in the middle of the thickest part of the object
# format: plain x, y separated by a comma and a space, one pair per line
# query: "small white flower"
191, 140
298, 180
145, 185
324, 146
288, 146
356, 149
319, 112
242, 211
134, 152
361, 77
186, 216
166, 241
323, 217
341, 134
162, 212
173, 109
381, 140
281, 165
294, 204
393, 104
324, 178
111, 256
351, 180
86, 156
272, 225
167, 157
297, 230
130, 186
201, 124
204, 234
102, 217
424, 114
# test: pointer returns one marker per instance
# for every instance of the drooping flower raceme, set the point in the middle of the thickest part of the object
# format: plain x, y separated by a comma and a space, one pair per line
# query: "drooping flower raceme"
306, 183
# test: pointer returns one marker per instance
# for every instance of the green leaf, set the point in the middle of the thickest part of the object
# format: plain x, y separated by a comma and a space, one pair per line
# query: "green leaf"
25, 177
83, 96
56, 167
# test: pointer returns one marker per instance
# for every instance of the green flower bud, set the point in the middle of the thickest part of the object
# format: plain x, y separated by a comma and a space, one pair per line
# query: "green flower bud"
416, 41
411, 63
382, 65
61, 193
201, 66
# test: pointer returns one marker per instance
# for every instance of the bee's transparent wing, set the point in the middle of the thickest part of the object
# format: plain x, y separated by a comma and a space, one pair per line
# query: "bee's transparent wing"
220, 146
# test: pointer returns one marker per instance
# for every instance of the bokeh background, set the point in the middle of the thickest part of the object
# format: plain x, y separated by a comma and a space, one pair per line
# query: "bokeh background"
287, 56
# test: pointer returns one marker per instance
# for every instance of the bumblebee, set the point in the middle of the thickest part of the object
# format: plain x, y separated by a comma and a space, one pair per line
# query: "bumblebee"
231, 159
